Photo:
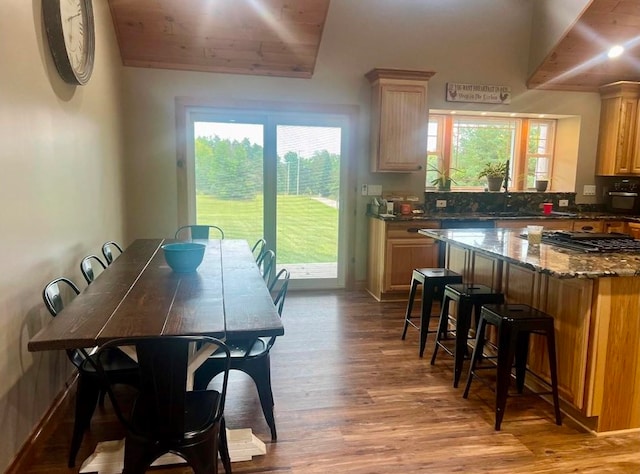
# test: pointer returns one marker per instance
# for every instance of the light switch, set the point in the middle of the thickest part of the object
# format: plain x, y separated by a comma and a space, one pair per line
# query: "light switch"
589, 190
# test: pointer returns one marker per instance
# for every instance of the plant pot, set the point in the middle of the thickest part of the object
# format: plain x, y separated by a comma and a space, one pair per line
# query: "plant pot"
494, 183
444, 185
541, 185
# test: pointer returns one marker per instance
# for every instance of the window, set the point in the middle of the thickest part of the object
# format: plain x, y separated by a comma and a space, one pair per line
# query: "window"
540, 144
459, 146
434, 149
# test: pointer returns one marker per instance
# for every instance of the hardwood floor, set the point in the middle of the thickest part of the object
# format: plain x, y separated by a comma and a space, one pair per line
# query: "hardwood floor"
351, 397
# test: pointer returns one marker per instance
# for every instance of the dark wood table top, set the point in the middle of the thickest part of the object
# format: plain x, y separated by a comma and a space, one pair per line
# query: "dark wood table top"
139, 295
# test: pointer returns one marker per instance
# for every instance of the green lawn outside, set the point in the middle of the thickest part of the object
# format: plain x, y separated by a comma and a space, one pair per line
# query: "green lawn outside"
307, 229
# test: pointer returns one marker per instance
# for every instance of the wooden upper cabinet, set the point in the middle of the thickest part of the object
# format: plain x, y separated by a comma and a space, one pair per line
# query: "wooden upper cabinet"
618, 152
399, 119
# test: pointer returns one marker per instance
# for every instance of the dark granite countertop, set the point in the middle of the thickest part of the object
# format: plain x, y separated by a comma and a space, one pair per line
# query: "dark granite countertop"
507, 245
506, 216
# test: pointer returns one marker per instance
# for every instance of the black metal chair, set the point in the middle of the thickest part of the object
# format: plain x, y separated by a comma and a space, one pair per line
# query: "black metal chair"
251, 357
108, 251
266, 262
259, 248
198, 232
87, 266
166, 417
120, 367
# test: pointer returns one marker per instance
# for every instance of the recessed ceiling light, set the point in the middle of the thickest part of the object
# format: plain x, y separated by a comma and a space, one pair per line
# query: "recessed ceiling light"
513, 114
483, 113
453, 112
615, 51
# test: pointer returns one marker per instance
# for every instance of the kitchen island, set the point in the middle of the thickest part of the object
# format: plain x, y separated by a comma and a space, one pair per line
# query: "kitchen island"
595, 302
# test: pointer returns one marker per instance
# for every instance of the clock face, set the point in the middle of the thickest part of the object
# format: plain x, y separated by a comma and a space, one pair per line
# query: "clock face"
70, 31
73, 15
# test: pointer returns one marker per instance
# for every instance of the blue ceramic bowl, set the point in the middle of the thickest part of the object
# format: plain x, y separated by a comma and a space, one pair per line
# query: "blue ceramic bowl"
183, 257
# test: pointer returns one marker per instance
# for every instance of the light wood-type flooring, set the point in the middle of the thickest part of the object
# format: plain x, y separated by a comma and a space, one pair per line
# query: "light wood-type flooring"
352, 397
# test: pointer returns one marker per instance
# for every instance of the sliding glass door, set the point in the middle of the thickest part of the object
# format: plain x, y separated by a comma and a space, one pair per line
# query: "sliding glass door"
277, 176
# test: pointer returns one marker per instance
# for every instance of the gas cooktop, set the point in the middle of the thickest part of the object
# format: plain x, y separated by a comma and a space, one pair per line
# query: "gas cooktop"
591, 241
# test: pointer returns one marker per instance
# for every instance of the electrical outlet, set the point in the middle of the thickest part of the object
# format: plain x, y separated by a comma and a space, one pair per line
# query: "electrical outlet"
441, 203
563, 202
364, 190
375, 190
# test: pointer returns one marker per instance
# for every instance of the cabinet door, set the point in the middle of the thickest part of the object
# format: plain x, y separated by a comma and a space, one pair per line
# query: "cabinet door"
402, 137
486, 271
588, 226
399, 119
571, 323
403, 255
635, 159
458, 260
618, 115
615, 226
633, 230
548, 224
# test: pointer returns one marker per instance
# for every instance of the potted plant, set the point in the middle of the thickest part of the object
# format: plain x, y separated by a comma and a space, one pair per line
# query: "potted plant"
495, 172
541, 183
443, 178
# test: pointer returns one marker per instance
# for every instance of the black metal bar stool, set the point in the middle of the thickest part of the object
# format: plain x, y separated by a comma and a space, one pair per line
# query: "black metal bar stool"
469, 297
515, 322
433, 281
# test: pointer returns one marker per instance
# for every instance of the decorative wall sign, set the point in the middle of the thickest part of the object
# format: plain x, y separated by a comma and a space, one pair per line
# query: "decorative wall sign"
478, 93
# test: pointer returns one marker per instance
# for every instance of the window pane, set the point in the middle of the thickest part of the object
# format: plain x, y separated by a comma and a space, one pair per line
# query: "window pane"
434, 145
477, 141
539, 150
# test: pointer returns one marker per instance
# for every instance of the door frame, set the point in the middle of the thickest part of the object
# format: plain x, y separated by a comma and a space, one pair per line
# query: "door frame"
185, 106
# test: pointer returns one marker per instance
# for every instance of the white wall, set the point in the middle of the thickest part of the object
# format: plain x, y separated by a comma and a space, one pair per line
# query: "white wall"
61, 189
479, 42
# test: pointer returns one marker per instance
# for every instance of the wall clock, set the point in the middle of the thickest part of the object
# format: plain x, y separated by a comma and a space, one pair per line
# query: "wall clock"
71, 37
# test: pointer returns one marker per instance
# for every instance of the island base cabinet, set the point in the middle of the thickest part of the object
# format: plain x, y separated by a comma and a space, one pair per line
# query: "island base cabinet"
597, 323
597, 332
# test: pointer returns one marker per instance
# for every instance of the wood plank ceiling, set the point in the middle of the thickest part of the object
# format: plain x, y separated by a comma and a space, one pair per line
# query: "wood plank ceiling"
579, 61
282, 38
260, 37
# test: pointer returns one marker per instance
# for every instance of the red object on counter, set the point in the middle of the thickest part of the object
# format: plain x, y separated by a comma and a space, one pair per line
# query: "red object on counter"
405, 209
547, 207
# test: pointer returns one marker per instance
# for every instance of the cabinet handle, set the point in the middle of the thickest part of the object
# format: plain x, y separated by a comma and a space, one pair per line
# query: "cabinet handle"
412, 230
586, 227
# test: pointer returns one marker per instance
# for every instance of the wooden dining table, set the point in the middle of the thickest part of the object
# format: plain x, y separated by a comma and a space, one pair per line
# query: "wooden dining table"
139, 295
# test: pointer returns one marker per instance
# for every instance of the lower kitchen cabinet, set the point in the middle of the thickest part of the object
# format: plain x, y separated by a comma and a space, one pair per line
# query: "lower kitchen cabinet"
550, 224
582, 225
633, 229
615, 226
395, 249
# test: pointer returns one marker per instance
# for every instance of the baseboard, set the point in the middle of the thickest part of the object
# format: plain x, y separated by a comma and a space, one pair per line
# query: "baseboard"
53, 417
